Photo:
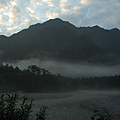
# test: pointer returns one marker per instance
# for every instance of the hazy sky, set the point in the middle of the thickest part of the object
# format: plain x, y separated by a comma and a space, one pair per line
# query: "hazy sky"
16, 15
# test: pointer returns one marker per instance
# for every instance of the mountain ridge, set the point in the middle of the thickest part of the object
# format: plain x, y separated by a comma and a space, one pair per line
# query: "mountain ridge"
61, 40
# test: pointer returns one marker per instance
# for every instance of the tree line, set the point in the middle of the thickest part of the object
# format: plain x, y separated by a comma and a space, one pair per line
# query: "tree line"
36, 79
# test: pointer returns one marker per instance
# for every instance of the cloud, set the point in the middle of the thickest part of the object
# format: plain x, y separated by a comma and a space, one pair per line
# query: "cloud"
103, 14
76, 9
50, 15
63, 6
86, 2
30, 10
16, 15
32, 15
49, 3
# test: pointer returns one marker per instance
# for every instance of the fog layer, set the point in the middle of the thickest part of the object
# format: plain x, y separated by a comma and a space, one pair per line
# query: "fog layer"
71, 69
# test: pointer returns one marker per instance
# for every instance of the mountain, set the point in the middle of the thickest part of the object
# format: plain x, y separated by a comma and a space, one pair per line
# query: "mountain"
60, 40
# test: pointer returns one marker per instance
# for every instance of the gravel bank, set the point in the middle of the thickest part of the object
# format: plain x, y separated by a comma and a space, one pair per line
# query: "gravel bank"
78, 105
111, 103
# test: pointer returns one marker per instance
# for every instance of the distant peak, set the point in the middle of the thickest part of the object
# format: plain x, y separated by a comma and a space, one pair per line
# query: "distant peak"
57, 22
57, 19
96, 26
115, 29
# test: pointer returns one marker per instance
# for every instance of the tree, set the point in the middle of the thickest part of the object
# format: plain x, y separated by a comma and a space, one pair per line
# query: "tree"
37, 70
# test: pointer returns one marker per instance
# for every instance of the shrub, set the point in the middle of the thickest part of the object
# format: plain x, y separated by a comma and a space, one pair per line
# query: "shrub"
101, 114
11, 109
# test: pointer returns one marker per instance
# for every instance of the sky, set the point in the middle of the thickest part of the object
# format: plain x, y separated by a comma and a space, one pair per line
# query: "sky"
16, 15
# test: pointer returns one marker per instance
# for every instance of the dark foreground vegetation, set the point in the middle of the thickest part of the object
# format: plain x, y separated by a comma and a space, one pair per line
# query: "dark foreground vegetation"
101, 114
36, 79
11, 109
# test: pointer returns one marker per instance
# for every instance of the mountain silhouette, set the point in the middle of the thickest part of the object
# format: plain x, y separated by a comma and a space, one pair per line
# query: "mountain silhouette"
60, 40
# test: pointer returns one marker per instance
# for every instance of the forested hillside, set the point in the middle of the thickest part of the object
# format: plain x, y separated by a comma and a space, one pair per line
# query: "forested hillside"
60, 40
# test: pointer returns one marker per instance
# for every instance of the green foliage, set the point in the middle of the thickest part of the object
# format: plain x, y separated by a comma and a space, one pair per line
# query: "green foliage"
11, 109
101, 114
